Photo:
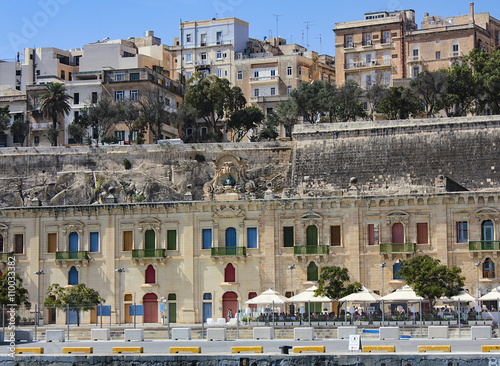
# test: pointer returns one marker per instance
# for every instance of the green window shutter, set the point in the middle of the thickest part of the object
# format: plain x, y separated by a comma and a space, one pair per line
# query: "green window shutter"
312, 235
150, 240
288, 239
312, 272
172, 239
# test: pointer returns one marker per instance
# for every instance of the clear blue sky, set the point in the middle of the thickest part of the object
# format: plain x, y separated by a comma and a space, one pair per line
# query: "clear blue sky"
73, 23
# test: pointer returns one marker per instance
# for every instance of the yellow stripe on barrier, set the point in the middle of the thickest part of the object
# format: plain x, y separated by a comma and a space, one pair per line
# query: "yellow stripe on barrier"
128, 349
434, 348
38, 350
490, 348
320, 349
77, 350
256, 349
391, 349
185, 349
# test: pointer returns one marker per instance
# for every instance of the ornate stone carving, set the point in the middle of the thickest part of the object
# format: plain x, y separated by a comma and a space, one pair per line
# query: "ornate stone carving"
311, 218
3, 230
230, 180
228, 212
487, 214
149, 224
73, 227
398, 218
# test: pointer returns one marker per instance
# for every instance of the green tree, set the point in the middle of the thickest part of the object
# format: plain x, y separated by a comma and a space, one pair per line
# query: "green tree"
20, 130
51, 134
213, 99
347, 105
286, 115
21, 294
461, 90
431, 279
334, 283
241, 121
400, 103
429, 86
269, 130
4, 118
127, 112
54, 101
77, 131
153, 114
186, 117
101, 117
311, 100
75, 298
373, 96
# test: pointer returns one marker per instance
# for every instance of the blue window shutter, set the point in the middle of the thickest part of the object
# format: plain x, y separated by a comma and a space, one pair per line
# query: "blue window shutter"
73, 242
73, 276
94, 242
230, 237
252, 237
207, 239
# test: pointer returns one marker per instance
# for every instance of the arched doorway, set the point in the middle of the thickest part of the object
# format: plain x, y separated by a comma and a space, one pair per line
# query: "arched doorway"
150, 302
229, 301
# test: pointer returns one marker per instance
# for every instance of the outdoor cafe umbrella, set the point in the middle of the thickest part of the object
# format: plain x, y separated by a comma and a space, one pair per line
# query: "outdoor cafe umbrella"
405, 294
308, 296
493, 295
364, 295
269, 297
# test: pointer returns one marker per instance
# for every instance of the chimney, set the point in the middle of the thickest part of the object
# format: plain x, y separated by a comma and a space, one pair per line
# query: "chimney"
150, 33
471, 13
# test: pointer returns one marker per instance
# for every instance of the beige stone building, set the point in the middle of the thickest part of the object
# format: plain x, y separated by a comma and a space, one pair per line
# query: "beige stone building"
387, 46
208, 234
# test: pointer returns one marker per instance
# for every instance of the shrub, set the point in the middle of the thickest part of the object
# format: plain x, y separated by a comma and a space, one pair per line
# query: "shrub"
199, 158
127, 164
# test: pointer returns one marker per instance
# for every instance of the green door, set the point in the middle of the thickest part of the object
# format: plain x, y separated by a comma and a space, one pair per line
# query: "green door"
172, 308
312, 235
150, 241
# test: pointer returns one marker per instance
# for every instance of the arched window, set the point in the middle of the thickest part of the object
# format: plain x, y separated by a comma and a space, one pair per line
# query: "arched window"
312, 235
395, 271
127, 297
150, 239
73, 276
488, 268
229, 273
398, 233
150, 274
312, 272
1, 243
230, 237
73, 242
487, 230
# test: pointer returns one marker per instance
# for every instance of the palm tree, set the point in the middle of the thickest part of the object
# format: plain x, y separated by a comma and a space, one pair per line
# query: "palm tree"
54, 101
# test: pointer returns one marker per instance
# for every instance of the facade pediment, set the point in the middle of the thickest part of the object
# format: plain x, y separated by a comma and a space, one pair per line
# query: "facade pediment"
73, 226
487, 213
398, 217
228, 212
149, 224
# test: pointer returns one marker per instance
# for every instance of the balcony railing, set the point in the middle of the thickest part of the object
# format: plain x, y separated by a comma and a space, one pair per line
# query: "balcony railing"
311, 249
149, 253
484, 245
264, 79
4, 257
72, 255
229, 252
397, 248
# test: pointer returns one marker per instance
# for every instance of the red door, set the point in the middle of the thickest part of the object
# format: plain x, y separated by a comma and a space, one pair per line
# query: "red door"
398, 233
229, 301
150, 302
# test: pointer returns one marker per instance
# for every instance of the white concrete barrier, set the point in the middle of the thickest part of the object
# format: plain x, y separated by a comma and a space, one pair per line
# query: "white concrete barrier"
134, 335
483, 332
345, 332
438, 331
262, 333
216, 334
221, 321
389, 333
24, 335
181, 333
100, 334
303, 334
54, 335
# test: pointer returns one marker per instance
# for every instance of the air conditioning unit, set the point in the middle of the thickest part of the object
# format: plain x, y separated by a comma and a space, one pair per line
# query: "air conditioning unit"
355, 64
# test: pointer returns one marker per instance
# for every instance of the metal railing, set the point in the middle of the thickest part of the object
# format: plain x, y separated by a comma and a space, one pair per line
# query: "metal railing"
229, 251
311, 249
484, 245
397, 247
149, 253
72, 255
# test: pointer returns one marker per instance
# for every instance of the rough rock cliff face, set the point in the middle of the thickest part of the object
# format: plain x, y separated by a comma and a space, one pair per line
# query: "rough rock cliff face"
385, 157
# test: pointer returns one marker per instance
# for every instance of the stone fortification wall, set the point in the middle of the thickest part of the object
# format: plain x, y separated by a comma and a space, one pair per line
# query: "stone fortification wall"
395, 156
84, 175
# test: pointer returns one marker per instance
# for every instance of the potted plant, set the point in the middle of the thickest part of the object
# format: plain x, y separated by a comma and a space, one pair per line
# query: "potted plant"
365, 320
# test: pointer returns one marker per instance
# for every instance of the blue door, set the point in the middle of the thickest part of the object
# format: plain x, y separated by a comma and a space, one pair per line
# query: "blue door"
487, 230
207, 311
73, 242
230, 237
73, 276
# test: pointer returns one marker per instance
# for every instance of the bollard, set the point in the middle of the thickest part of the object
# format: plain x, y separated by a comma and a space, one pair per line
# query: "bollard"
285, 349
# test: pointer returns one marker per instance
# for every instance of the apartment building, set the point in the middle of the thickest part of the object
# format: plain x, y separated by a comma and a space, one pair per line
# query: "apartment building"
388, 46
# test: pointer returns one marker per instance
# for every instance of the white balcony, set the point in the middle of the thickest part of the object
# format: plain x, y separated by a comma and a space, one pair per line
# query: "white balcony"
264, 79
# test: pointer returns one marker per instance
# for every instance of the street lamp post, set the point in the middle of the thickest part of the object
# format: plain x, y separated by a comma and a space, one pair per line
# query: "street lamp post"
291, 268
120, 271
477, 264
383, 265
37, 308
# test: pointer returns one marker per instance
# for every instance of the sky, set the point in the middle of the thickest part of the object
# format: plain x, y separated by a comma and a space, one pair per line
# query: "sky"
68, 24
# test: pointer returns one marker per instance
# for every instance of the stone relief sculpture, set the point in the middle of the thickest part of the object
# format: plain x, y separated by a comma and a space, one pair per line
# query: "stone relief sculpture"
230, 181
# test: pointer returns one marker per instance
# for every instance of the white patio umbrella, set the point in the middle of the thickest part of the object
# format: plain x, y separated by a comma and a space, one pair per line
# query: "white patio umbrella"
464, 297
267, 298
308, 296
364, 295
493, 295
405, 294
